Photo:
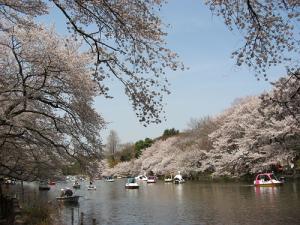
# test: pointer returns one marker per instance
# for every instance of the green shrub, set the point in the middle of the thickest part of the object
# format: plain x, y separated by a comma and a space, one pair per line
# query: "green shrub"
170, 132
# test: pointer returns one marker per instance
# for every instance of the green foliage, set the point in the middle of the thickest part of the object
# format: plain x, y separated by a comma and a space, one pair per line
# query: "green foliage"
170, 132
140, 145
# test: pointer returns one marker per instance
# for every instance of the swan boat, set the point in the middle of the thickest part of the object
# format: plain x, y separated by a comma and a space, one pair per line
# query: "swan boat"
151, 179
178, 179
141, 177
131, 184
267, 180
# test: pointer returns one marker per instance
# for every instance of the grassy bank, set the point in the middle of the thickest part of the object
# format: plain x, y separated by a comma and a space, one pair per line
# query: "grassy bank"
39, 213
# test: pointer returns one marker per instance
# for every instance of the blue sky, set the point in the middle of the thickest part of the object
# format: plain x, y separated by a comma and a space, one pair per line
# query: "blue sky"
211, 84
208, 87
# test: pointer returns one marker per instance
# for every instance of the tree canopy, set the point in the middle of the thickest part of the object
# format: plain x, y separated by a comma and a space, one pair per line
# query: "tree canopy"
46, 114
170, 132
268, 28
271, 37
250, 137
48, 83
125, 37
142, 144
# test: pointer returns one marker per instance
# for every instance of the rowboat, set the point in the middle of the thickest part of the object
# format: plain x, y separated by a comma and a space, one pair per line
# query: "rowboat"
66, 195
91, 187
71, 199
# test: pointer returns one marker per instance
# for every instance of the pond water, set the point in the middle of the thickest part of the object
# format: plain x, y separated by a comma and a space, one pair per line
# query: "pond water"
188, 203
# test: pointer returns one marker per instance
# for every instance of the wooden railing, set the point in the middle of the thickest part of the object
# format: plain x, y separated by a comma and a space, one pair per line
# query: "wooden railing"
10, 211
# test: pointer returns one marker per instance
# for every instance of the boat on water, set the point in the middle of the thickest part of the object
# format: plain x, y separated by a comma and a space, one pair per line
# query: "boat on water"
43, 186
76, 185
131, 184
141, 177
73, 199
169, 179
267, 180
9, 181
110, 179
51, 182
91, 187
66, 195
178, 179
151, 179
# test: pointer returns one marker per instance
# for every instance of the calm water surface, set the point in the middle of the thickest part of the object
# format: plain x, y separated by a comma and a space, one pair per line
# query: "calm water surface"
189, 203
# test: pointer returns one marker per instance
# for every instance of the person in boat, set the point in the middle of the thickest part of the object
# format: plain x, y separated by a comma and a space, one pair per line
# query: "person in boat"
66, 192
131, 180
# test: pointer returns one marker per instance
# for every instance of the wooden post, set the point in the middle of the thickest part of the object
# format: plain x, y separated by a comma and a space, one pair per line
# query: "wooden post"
81, 218
0, 188
22, 193
72, 216
94, 221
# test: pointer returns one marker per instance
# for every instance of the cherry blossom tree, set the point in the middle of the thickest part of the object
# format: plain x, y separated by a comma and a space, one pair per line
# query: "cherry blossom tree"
249, 137
281, 108
269, 29
48, 85
271, 37
126, 38
255, 134
46, 114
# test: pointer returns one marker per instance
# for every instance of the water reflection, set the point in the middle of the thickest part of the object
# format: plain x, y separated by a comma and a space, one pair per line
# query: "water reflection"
178, 189
266, 191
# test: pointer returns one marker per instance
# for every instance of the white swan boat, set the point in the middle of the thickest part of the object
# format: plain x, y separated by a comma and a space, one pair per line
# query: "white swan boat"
178, 179
141, 177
